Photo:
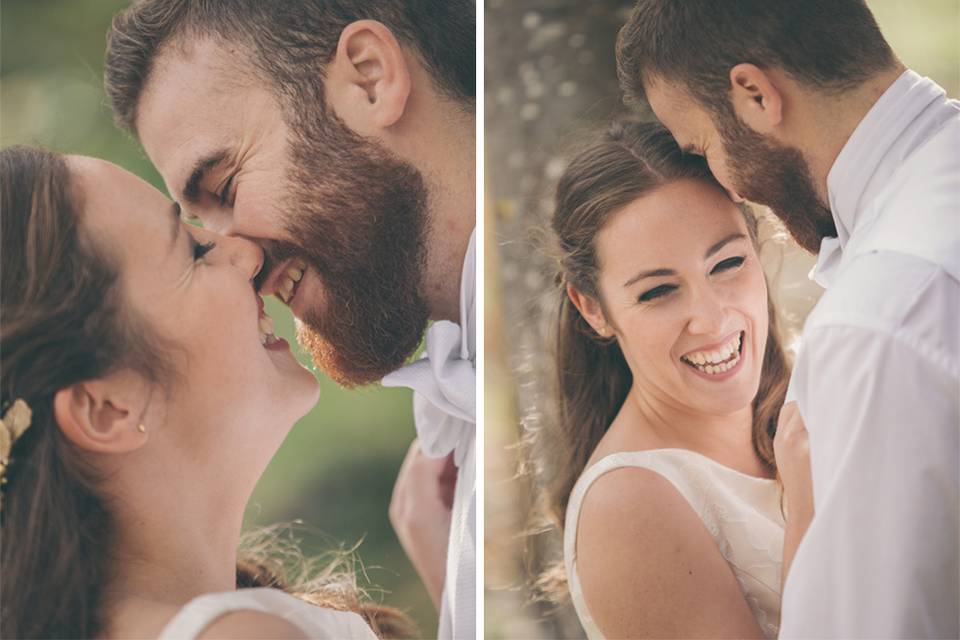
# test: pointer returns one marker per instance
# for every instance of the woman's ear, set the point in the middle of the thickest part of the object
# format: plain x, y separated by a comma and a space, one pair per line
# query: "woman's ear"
756, 99
367, 83
591, 311
104, 415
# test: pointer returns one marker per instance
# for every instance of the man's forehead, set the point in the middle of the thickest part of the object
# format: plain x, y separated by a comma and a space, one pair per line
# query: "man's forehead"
209, 58
675, 108
189, 107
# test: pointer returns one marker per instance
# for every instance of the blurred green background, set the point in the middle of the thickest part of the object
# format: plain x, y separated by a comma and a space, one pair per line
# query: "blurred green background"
336, 470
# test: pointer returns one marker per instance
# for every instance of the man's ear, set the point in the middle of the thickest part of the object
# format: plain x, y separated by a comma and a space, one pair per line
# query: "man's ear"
591, 311
104, 415
368, 81
756, 99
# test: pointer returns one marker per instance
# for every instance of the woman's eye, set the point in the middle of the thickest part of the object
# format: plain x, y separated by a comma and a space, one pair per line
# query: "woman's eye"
729, 263
225, 192
200, 250
657, 292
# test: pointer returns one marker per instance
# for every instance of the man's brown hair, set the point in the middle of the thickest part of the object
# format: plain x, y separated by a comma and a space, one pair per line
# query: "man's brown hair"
829, 44
289, 41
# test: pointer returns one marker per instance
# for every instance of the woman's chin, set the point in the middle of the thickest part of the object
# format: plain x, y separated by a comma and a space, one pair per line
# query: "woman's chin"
301, 395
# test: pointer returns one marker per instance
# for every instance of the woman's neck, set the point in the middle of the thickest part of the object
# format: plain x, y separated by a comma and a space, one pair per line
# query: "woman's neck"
171, 546
657, 422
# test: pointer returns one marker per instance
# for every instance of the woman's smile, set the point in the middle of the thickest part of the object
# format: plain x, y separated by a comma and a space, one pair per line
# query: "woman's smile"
267, 338
720, 361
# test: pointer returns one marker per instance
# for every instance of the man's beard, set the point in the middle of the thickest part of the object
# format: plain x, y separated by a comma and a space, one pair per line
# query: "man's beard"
779, 177
358, 217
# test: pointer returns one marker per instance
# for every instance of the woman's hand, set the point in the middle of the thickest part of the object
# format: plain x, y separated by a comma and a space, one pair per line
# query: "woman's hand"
791, 446
420, 512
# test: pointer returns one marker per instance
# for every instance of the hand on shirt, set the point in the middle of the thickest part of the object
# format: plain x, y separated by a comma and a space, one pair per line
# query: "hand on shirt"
420, 511
791, 446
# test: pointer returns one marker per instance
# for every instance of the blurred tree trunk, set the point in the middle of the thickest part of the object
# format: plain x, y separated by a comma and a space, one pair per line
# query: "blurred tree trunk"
550, 82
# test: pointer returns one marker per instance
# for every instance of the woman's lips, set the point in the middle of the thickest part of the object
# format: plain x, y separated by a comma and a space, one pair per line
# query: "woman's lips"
718, 364
265, 325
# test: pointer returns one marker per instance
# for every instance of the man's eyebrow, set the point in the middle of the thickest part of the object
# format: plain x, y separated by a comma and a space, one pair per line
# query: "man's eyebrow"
175, 231
653, 273
719, 245
191, 190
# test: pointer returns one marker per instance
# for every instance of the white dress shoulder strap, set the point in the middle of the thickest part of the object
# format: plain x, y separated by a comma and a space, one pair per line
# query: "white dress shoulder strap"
741, 513
314, 621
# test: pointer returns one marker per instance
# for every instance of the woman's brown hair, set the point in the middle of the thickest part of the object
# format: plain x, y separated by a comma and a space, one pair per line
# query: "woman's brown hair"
64, 321
592, 377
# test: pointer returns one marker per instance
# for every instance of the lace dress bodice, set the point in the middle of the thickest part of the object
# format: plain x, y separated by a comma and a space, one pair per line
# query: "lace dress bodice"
741, 512
314, 621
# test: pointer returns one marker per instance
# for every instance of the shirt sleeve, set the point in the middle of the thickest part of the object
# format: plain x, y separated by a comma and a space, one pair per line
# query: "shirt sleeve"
880, 558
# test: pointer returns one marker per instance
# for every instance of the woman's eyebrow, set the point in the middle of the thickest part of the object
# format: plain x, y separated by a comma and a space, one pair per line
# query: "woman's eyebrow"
722, 243
653, 273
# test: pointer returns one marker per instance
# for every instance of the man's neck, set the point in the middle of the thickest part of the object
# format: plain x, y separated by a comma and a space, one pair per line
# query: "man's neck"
833, 119
451, 180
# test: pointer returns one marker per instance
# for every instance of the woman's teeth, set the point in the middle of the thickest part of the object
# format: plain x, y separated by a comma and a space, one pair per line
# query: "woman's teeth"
266, 330
714, 362
289, 280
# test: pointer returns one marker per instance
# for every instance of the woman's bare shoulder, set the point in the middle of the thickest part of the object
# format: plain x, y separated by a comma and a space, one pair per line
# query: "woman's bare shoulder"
638, 540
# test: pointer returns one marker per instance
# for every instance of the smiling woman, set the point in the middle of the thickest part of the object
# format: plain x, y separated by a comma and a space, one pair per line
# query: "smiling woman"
137, 345
670, 377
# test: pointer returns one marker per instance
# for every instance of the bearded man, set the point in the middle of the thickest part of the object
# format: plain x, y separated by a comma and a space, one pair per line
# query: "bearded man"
803, 106
339, 135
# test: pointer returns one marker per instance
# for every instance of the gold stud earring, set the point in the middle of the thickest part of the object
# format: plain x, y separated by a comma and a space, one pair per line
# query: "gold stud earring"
141, 428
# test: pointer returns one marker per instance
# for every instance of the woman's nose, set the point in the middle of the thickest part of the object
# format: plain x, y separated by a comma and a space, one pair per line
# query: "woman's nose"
708, 315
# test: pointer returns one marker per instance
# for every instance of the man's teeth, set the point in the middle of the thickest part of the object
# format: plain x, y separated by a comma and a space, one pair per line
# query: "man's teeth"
713, 362
289, 280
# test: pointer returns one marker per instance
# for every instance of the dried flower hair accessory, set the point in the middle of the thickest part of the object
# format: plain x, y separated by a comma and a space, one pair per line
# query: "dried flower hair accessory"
15, 421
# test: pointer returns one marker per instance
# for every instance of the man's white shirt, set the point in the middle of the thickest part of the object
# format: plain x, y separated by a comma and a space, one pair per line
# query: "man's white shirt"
877, 382
444, 405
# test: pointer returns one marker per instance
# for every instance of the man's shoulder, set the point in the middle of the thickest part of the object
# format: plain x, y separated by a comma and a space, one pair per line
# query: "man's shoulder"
893, 296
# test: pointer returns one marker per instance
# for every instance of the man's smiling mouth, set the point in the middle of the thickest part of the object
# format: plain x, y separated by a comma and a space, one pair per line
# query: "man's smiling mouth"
289, 280
283, 280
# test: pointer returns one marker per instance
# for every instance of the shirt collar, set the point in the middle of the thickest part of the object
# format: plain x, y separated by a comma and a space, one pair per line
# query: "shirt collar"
444, 378
852, 181
468, 301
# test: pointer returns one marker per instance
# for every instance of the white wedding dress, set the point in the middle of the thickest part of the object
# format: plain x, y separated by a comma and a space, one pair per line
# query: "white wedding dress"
313, 621
741, 512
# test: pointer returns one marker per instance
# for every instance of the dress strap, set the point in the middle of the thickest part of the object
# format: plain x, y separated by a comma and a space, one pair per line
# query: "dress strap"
314, 621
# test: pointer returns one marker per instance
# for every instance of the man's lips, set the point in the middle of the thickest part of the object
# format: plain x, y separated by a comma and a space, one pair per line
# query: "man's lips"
284, 280
272, 282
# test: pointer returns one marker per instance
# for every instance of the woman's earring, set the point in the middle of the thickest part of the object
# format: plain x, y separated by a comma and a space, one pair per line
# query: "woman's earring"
141, 428
605, 335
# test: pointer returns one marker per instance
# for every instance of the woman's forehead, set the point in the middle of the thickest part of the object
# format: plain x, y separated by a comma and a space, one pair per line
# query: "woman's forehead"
679, 213
115, 201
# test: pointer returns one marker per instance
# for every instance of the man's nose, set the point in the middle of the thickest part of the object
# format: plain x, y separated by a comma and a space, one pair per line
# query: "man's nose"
216, 219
